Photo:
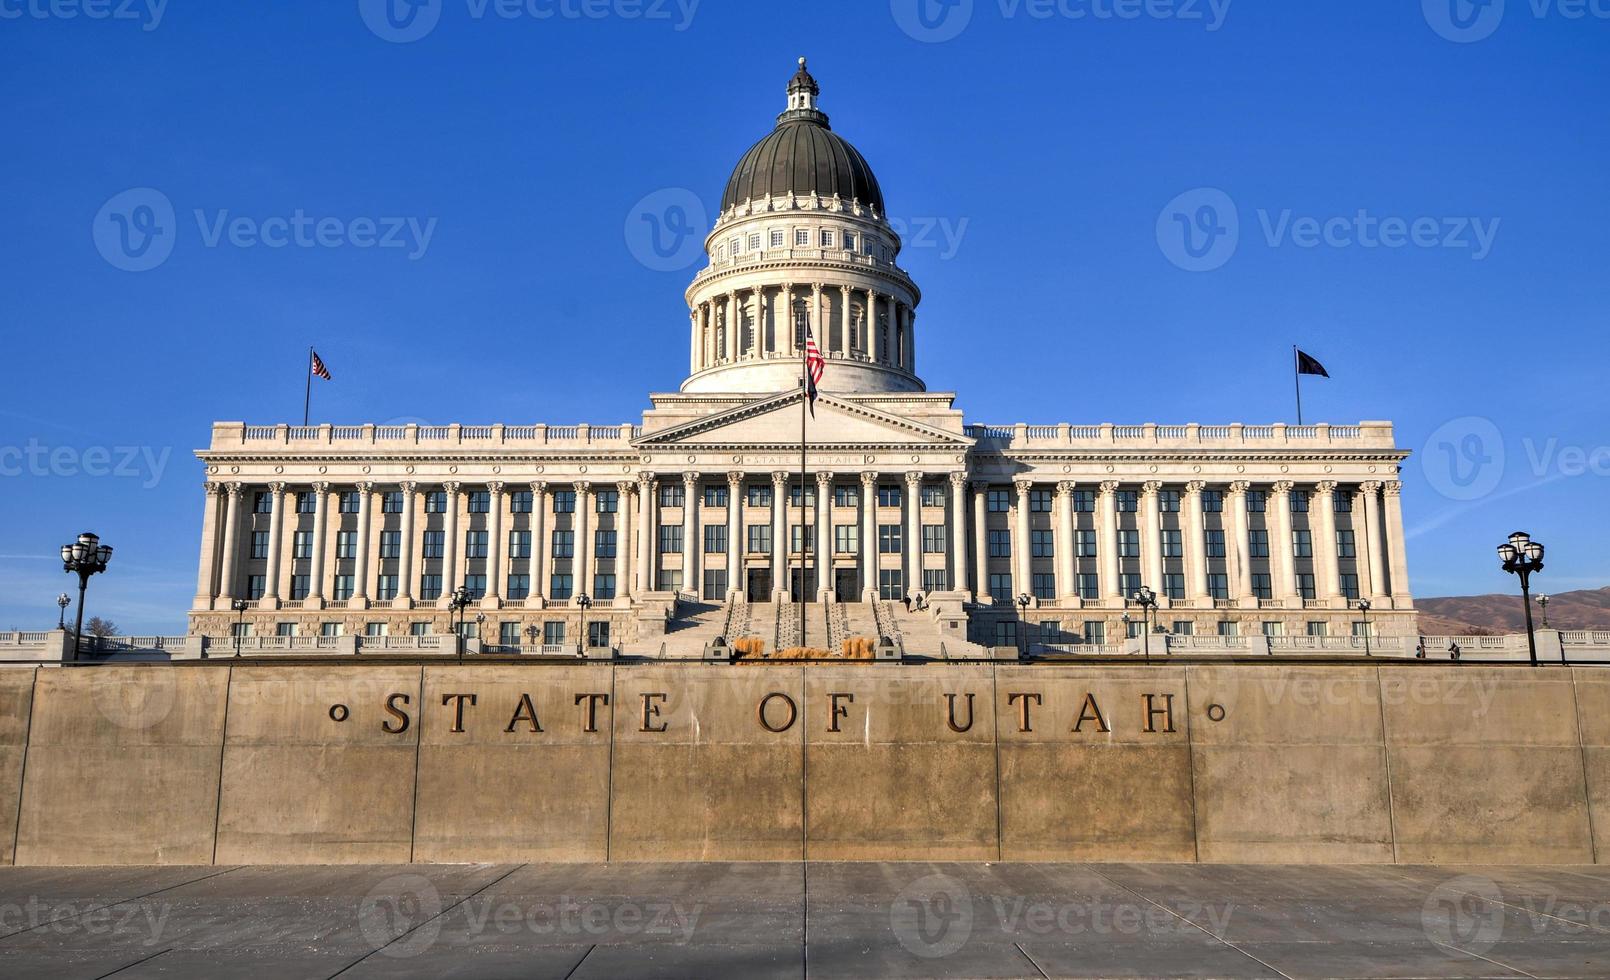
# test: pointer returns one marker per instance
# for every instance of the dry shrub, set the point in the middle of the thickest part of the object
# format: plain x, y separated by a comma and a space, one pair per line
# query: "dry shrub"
749, 646
858, 648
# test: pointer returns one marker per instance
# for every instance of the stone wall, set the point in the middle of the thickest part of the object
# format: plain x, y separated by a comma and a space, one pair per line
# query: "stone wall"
213, 762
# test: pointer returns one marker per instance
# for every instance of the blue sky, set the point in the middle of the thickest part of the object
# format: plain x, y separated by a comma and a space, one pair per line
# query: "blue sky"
1035, 151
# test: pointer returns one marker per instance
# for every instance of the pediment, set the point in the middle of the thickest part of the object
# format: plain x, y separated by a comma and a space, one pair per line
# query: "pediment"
774, 422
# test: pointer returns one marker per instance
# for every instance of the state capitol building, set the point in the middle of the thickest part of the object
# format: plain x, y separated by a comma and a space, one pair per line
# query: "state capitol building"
696, 523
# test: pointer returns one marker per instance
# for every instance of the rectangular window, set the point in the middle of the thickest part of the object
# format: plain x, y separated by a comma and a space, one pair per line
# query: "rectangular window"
802, 236
302, 544
609, 501
419, 629
1273, 629
933, 539
519, 586
1172, 548
801, 538
1317, 629
1302, 544
809, 495
1228, 627
1000, 586
561, 585
390, 544
433, 543
604, 585
1084, 501
386, 587
932, 495
715, 539
284, 629
1218, 585
1006, 633
715, 584
760, 538
307, 503
1305, 584
604, 543
300, 584
846, 539
1174, 585
259, 544
430, 587
753, 242
553, 634
889, 542
846, 496
391, 502
1084, 544
1342, 501
329, 629
759, 495
1349, 583
891, 583
436, 502
1257, 501
255, 586
1089, 585
520, 502
1183, 627
998, 501
1214, 542
1344, 544
564, 543
670, 580
1129, 584
1262, 586
1258, 543
564, 501
849, 241
670, 539
888, 495
1128, 544
474, 544
1299, 501
1000, 544
671, 495
476, 584
1095, 631
519, 544
934, 580
343, 587
1041, 544
827, 238
715, 496
346, 544
1212, 501
348, 501
1040, 501
1168, 501
1128, 501
778, 238
1045, 585
263, 503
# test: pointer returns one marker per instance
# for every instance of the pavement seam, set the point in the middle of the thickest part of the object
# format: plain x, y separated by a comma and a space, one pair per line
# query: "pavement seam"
433, 918
1037, 967
1487, 959
130, 966
121, 901
581, 961
1506, 904
1117, 884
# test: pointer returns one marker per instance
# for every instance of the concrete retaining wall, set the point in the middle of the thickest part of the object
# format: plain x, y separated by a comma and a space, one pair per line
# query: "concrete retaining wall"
204, 763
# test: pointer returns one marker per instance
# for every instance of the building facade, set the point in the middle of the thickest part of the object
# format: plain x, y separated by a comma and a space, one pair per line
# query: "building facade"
1239, 529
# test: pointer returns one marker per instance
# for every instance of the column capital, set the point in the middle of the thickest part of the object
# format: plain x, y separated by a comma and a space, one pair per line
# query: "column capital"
824, 479
1325, 486
408, 487
869, 481
646, 480
583, 488
735, 480
495, 488
1108, 487
1195, 487
779, 478
914, 478
1240, 487
1370, 486
1023, 487
1151, 488
1283, 486
979, 486
1392, 488
365, 487
321, 488
625, 487
213, 489
1066, 487
690, 479
958, 481
452, 487
539, 487
277, 489
234, 489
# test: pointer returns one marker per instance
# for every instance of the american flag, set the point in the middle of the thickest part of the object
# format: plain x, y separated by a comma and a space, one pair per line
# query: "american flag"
814, 366
319, 370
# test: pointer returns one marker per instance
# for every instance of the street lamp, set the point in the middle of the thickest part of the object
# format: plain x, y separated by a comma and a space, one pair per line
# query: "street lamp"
63, 601
86, 556
1522, 556
240, 606
1364, 608
532, 632
1023, 601
1543, 606
585, 601
1147, 600
480, 634
459, 602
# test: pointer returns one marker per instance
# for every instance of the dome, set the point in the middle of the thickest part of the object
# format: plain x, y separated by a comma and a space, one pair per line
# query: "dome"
803, 156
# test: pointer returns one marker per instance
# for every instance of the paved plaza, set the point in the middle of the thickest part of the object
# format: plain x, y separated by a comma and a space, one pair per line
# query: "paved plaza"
794, 920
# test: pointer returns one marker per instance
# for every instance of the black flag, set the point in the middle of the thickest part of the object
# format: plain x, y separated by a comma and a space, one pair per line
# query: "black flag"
1307, 364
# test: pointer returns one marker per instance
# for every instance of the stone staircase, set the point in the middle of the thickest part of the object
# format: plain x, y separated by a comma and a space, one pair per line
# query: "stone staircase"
695, 625
919, 633
838, 627
862, 621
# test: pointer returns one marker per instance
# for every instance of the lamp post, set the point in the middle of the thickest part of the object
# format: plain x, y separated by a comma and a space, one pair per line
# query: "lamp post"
1543, 607
1147, 600
240, 606
86, 556
459, 602
62, 602
1522, 556
1364, 608
532, 632
480, 632
1128, 621
585, 601
1023, 601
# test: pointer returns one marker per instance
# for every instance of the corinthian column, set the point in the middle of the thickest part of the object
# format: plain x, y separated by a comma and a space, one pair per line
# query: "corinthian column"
647, 496
625, 573
1238, 549
1112, 591
1398, 559
583, 561
869, 532
1195, 544
450, 579
405, 550
540, 544
1329, 585
360, 591
690, 535
226, 584
913, 532
321, 513
1022, 560
1151, 538
496, 560
276, 528
208, 575
1372, 545
779, 533
958, 531
824, 535
735, 565
980, 540
1064, 540
1282, 563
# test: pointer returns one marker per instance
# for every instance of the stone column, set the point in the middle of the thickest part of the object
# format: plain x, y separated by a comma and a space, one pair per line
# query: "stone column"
1327, 570
898, 355
913, 533
779, 530
824, 534
980, 540
733, 339
1238, 547
1372, 555
208, 574
276, 528
647, 499
869, 533
540, 544
1397, 560
691, 545
405, 550
624, 551
1194, 544
694, 346
875, 352
321, 511
846, 348
1112, 586
958, 531
1282, 565
787, 339
1151, 539
818, 323
735, 530
1066, 569
226, 582
911, 340
497, 546
450, 577
1022, 562
360, 588
582, 563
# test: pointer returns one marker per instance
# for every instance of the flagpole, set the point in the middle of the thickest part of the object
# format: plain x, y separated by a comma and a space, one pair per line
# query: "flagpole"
307, 395
1297, 379
804, 540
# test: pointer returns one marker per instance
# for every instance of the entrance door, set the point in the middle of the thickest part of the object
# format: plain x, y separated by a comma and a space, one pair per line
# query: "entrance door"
794, 577
847, 584
760, 585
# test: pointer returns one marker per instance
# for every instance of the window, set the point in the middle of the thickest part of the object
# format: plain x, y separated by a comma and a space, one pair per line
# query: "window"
391, 502
343, 587
802, 236
1262, 586
418, 629
1000, 586
430, 587
1302, 544
760, 538
1299, 501
999, 501
670, 580
1000, 544
436, 502
778, 238
1045, 585
1342, 501
1174, 585
1084, 544
809, 495
801, 538
1212, 501
889, 542
263, 503
846, 539
934, 580
1040, 501
564, 501
476, 584
1349, 582
827, 238
1305, 584
1258, 543
869, 245
1172, 548
519, 544
1128, 544
604, 585
849, 241
1344, 544
1183, 627
259, 544
715, 496
735, 246
520, 502
1089, 585
1214, 542
715, 583
715, 539
1041, 544
1006, 633
349, 501
561, 585
1362, 629
1218, 585
1274, 629
933, 495
753, 242
891, 583
604, 543
1095, 631
1317, 629
300, 584
1257, 501
255, 586
888, 495
284, 629
933, 539
434, 543
564, 543
1084, 501
1129, 583
302, 544
609, 501
346, 544
390, 544
386, 587
759, 495
307, 503
1128, 501
670, 539
474, 544
519, 586
844, 496
1168, 501
1228, 627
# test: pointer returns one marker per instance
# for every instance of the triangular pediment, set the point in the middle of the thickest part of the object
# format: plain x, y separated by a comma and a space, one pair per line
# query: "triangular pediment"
775, 422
